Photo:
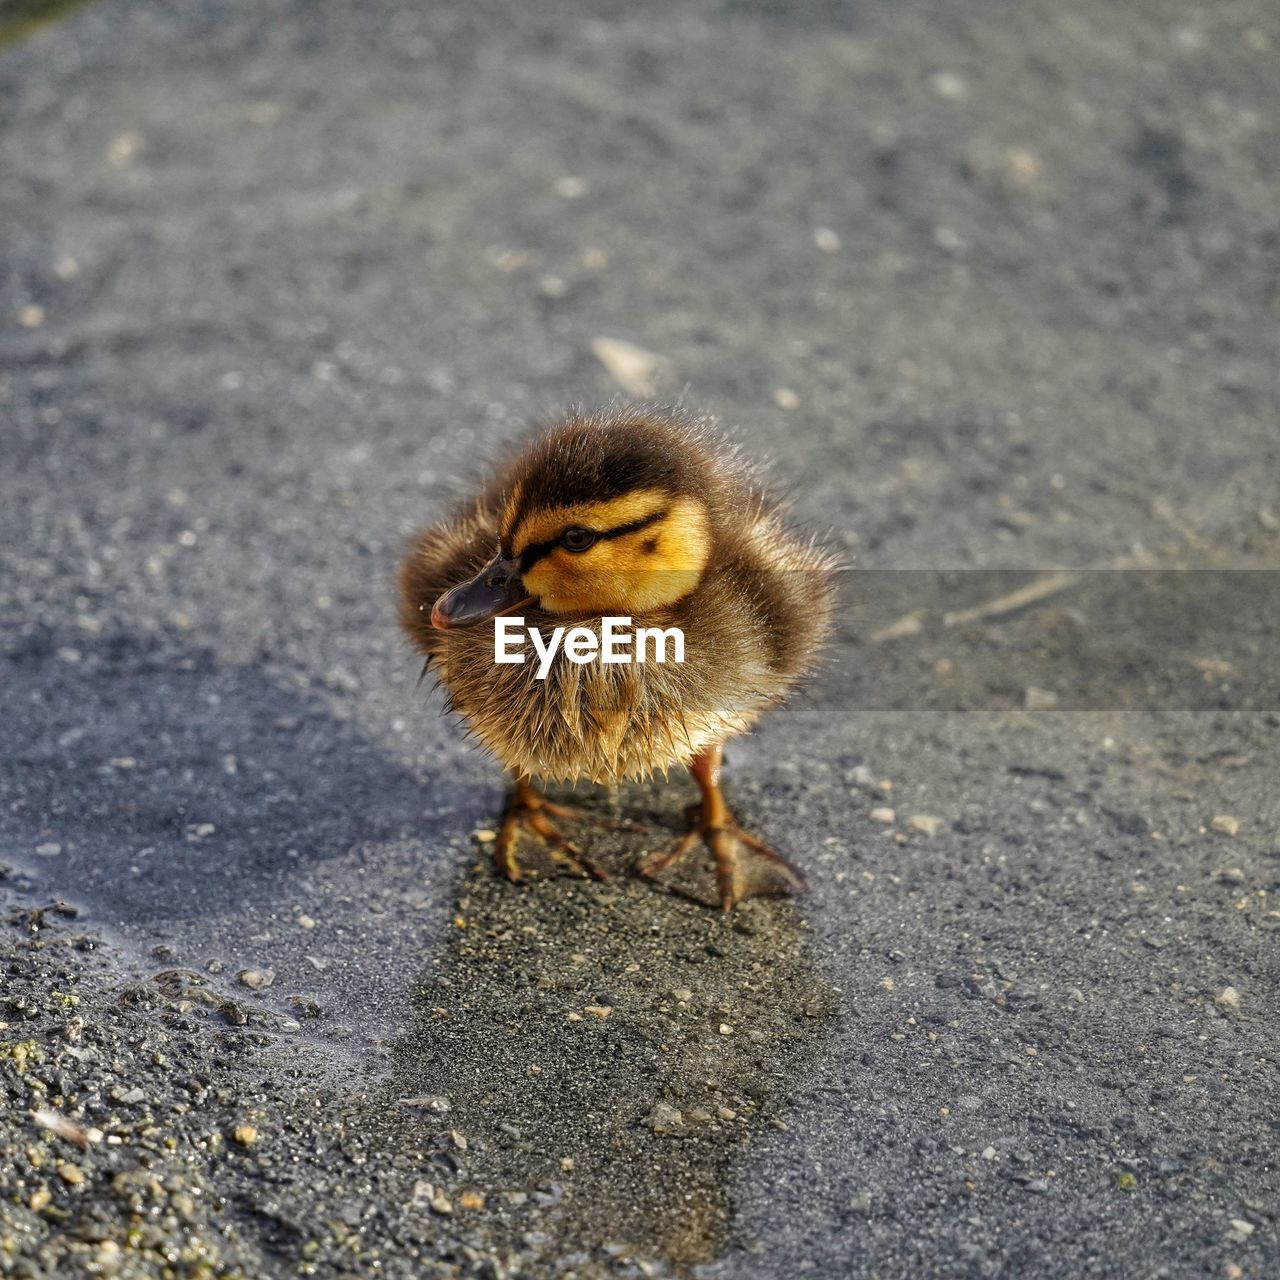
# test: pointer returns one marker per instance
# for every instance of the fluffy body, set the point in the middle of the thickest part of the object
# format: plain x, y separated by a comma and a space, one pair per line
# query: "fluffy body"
753, 597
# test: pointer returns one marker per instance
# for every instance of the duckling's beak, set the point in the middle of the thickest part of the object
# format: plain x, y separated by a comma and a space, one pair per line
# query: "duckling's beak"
496, 589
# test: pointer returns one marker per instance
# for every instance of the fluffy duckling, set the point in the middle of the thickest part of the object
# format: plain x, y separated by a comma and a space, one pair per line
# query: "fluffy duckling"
639, 513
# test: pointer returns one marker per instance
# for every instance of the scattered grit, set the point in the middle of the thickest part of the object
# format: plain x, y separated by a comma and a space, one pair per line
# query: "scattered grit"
177, 1126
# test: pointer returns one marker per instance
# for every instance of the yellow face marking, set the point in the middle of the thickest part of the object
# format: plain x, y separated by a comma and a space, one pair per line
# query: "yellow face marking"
631, 574
542, 525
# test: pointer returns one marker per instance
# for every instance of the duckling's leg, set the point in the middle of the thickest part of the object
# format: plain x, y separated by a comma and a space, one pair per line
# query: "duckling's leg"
745, 867
531, 812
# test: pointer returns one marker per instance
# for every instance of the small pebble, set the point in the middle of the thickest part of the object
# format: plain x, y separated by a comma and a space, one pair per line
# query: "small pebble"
882, 814
1226, 825
504, 259
123, 148
947, 238
683, 994
665, 1119
1025, 167
245, 1134
50, 849
71, 1174
948, 86
263, 113
1228, 998
256, 978
925, 823
1035, 699
430, 1102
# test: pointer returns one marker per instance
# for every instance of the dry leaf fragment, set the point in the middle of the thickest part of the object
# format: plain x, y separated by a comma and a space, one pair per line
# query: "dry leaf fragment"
637, 371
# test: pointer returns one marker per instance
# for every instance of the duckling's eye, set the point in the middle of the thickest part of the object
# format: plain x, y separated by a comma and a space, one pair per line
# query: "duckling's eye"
576, 539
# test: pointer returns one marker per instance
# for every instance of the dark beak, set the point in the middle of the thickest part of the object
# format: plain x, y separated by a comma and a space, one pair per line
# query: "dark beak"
496, 589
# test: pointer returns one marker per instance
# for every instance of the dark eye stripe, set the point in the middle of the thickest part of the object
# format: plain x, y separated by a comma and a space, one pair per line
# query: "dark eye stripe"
536, 550
642, 523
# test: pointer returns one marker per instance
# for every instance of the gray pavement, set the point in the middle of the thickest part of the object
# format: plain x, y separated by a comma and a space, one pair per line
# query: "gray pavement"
996, 290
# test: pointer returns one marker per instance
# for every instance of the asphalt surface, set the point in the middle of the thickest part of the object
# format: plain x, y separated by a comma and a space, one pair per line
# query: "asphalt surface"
996, 290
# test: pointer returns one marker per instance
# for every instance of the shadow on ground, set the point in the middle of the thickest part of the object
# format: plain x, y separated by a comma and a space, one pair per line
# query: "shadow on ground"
218, 820
207, 781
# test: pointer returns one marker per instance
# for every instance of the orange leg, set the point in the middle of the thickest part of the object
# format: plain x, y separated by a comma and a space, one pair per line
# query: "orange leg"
745, 867
528, 812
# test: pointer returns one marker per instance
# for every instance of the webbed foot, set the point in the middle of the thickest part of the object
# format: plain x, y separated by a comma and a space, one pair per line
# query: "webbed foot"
529, 813
745, 867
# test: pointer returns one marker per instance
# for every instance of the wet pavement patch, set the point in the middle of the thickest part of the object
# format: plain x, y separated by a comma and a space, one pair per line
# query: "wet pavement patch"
610, 1053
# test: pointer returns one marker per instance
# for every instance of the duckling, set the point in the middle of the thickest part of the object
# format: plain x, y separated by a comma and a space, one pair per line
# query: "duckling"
640, 513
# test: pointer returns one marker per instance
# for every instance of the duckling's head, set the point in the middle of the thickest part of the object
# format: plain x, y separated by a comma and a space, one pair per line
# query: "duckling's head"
604, 514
